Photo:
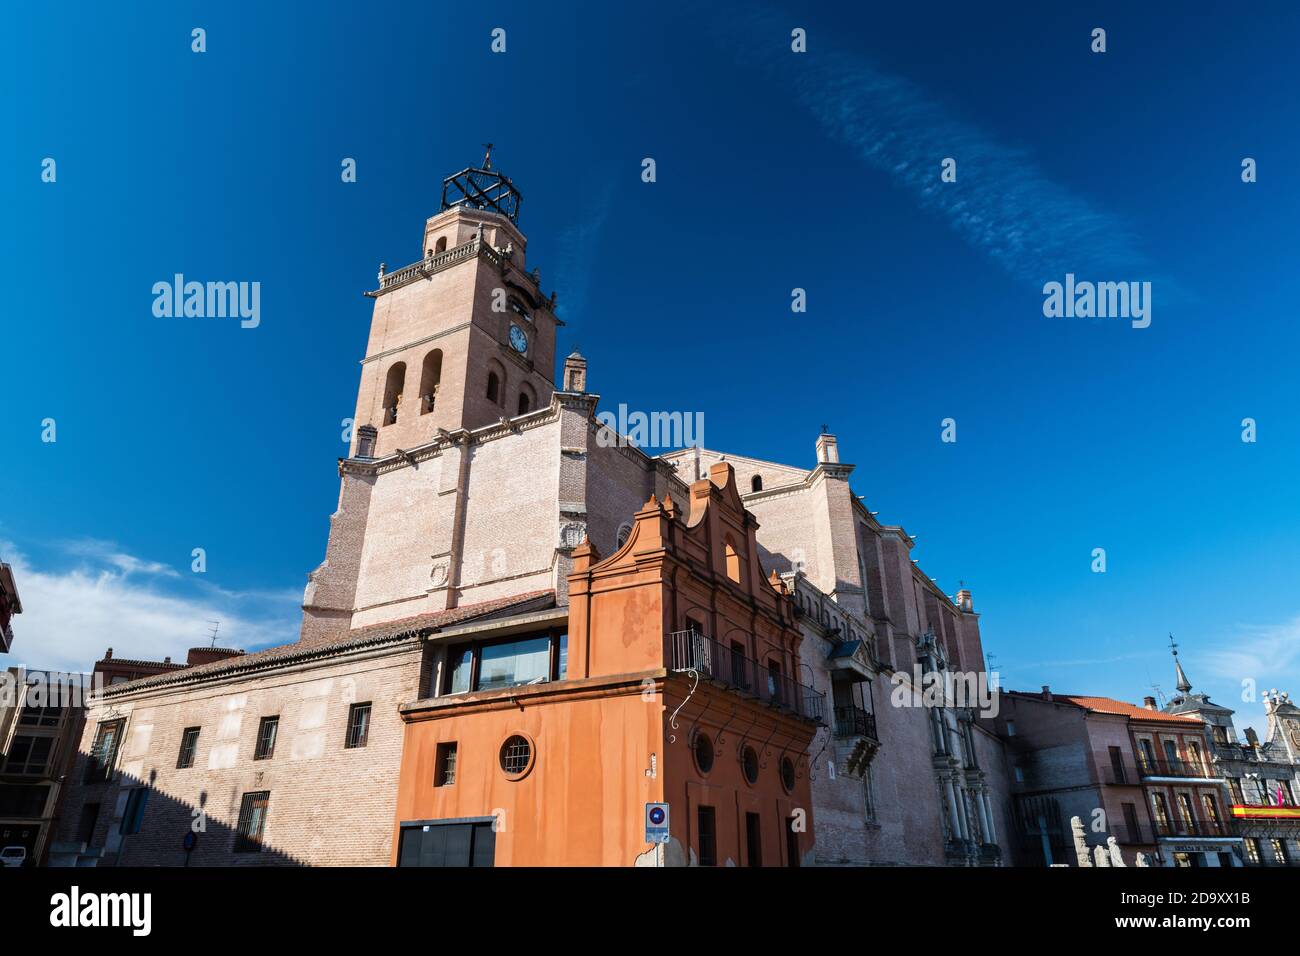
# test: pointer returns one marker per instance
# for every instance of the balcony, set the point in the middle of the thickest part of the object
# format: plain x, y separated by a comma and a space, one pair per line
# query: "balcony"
853, 721
1203, 828
1173, 768
721, 665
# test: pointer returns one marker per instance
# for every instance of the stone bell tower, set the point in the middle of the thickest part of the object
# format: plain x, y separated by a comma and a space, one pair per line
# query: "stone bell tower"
463, 337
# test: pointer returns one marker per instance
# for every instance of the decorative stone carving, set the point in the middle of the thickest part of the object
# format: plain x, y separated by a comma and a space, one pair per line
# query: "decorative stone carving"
1142, 859
1116, 858
438, 574
1102, 857
572, 533
1080, 842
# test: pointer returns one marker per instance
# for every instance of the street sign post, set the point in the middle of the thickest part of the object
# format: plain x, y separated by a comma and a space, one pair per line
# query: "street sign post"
656, 823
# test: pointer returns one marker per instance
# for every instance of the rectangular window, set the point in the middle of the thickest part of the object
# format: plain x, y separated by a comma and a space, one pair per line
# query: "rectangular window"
514, 663
103, 754
358, 726
29, 755
1279, 851
753, 839
1162, 811
707, 823
1252, 850
460, 665
444, 764
267, 731
252, 821
40, 716
1117, 764
189, 745
492, 665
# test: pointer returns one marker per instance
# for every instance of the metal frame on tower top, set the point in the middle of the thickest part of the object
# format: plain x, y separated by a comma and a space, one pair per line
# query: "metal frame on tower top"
482, 187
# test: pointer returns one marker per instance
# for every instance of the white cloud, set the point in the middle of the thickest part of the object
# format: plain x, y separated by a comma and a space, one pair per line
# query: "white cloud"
1267, 655
141, 609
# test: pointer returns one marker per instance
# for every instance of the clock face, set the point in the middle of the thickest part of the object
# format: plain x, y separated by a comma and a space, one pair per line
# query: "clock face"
518, 339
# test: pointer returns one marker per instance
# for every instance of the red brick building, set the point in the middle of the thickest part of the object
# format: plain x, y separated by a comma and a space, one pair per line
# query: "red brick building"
1134, 774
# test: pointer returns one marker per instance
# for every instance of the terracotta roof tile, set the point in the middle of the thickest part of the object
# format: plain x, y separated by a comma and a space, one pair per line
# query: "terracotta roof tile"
1108, 705
357, 637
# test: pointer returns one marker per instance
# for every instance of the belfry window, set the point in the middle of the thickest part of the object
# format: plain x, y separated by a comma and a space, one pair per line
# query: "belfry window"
756, 483
441, 245
393, 392
430, 375
494, 388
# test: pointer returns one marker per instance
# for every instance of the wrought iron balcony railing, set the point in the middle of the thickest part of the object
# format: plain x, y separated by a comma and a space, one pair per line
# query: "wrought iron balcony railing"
1172, 768
851, 721
723, 665
1210, 828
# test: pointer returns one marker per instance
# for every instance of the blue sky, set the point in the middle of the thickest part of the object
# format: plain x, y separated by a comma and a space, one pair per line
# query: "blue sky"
775, 170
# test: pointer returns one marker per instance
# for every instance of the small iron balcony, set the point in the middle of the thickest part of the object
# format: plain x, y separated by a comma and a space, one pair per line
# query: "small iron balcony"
723, 665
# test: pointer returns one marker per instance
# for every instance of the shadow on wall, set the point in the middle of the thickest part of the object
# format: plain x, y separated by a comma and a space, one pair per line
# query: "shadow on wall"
127, 821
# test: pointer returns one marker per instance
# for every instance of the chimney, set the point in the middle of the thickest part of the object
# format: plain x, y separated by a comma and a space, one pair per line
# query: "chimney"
1047, 692
367, 435
108, 654
963, 600
575, 372
828, 450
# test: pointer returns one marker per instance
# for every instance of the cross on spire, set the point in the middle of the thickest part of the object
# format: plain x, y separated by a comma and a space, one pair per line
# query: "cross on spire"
487, 156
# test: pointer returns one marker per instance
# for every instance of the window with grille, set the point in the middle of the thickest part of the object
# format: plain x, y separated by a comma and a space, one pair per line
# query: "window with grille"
267, 731
252, 821
516, 755
444, 764
358, 725
189, 744
103, 753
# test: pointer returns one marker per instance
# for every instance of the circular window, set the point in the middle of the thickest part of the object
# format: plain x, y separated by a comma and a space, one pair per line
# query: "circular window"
516, 755
703, 753
749, 763
787, 774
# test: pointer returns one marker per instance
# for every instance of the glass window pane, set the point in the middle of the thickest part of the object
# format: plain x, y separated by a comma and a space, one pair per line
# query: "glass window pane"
519, 662
461, 661
564, 656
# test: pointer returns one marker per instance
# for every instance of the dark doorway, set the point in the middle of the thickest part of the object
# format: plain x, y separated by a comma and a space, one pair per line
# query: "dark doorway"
447, 844
753, 840
706, 823
791, 843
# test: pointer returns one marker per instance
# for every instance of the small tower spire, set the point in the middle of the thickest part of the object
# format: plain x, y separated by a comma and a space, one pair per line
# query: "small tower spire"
1184, 685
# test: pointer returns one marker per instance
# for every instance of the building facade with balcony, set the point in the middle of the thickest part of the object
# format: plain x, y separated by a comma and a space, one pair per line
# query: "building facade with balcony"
1131, 773
675, 683
1261, 776
473, 486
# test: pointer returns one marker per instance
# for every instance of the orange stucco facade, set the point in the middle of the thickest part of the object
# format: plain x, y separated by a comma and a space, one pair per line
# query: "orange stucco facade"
677, 688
